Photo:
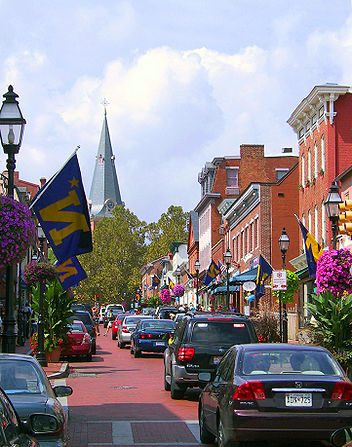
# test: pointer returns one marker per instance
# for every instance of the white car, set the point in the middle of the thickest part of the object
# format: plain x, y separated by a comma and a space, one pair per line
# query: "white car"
101, 314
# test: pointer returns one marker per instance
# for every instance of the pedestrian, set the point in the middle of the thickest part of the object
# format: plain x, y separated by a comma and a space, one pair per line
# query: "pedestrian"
95, 312
110, 316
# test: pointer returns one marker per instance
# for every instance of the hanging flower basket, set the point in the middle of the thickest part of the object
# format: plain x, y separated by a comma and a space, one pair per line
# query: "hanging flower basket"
16, 231
165, 296
35, 272
333, 272
178, 290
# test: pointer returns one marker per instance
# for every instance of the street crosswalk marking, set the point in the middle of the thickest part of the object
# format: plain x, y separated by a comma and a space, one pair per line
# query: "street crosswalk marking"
122, 433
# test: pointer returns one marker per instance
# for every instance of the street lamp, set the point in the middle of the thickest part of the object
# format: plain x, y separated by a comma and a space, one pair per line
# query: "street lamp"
332, 208
11, 131
284, 243
178, 274
41, 357
197, 268
227, 259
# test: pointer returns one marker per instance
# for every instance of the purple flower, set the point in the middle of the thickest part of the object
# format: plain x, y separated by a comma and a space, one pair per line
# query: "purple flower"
16, 230
178, 290
165, 296
333, 272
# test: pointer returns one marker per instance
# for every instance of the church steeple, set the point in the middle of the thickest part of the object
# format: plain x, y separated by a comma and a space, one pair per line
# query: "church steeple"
104, 192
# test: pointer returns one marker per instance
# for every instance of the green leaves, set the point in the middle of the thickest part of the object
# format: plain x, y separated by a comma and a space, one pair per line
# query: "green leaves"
292, 287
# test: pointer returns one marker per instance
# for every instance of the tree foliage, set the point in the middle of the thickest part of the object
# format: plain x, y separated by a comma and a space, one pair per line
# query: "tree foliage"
113, 268
171, 227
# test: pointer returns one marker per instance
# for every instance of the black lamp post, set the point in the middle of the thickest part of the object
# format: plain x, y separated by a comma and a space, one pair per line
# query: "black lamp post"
284, 243
11, 131
332, 208
197, 268
227, 259
41, 351
178, 274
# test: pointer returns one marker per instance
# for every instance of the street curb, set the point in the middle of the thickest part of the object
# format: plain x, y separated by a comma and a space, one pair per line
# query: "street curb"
64, 372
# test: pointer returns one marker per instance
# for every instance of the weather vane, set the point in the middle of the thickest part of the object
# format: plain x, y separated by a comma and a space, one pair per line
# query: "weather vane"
105, 104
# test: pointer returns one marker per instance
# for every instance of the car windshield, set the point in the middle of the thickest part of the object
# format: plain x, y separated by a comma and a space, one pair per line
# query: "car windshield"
289, 362
75, 327
220, 333
155, 324
18, 377
85, 317
132, 320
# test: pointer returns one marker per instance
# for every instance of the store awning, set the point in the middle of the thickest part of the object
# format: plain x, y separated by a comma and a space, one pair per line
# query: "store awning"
250, 275
223, 289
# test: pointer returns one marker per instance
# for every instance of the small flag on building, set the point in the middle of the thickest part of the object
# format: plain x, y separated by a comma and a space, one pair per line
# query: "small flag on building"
211, 274
264, 272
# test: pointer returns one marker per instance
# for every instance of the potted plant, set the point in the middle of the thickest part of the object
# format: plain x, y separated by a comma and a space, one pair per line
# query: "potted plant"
57, 310
16, 231
178, 290
35, 272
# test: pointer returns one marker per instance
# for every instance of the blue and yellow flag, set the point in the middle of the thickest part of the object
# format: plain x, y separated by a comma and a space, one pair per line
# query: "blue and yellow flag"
312, 248
70, 272
155, 281
263, 273
212, 273
171, 284
62, 210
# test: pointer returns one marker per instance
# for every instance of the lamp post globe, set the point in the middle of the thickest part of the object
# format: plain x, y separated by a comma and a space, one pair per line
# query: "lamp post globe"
197, 268
332, 209
11, 132
284, 243
227, 260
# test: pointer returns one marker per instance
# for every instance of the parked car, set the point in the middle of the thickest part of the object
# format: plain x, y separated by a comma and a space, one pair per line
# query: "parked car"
151, 336
200, 341
265, 392
26, 385
88, 322
115, 325
127, 327
116, 309
82, 306
164, 312
79, 342
14, 433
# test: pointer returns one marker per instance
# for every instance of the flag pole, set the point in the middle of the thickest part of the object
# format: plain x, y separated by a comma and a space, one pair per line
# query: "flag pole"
43, 189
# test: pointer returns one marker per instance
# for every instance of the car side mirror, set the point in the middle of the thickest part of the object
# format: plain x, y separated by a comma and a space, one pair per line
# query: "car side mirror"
342, 437
62, 390
204, 377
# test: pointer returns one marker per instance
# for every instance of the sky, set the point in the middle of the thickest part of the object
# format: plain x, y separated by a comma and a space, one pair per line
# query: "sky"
186, 81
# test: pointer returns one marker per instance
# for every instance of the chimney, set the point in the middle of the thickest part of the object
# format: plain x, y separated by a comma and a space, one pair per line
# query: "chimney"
42, 181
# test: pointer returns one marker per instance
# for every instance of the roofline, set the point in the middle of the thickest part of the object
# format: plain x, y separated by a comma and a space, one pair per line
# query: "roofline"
207, 197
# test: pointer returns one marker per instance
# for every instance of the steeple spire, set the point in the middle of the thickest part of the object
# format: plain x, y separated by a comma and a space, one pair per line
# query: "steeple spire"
104, 192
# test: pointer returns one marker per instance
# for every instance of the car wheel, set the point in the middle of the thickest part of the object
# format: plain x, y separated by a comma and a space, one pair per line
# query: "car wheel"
137, 353
205, 436
221, 438
94, 348
113, 336
167, 386
177, 392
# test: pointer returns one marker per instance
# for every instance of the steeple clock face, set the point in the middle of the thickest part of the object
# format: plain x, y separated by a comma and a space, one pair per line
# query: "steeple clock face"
110, 204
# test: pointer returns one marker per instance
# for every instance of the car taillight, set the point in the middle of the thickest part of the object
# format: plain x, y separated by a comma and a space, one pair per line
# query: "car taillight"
253, 390
185, 354
125, 329
85, 340
342, 391
146, 336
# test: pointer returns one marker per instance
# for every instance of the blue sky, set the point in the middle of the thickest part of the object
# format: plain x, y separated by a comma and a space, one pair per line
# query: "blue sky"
187, 81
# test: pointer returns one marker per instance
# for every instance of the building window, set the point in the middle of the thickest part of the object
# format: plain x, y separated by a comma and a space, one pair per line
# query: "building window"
304, 224
323, 224
316, 235
251, 232
309, 222
322, 150
231, 177
281, 172
321, 111
256, 235
301, 133
309, 167
303, 178
315, 161
314, 119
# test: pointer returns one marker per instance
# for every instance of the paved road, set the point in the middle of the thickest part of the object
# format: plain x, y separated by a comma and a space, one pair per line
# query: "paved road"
120, 400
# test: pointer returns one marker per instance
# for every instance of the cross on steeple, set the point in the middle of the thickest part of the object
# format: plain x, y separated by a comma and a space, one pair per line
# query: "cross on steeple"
105, 103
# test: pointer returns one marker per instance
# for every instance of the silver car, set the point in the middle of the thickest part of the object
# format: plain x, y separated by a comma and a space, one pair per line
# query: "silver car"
25, 383
127, 326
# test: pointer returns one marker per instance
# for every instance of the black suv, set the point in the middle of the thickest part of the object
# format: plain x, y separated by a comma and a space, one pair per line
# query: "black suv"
200, 341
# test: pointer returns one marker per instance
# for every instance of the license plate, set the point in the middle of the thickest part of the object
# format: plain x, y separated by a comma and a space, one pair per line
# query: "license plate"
298, 399
217, 359
159, 343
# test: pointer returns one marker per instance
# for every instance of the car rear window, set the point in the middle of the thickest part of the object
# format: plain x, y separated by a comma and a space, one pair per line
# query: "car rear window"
86, 318
75, 327
132, 320
288, 361
225, 332
155, 324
